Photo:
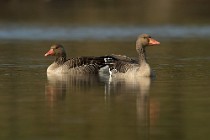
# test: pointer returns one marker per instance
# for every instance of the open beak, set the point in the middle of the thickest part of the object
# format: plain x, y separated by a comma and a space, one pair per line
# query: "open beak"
153, 42
50, 52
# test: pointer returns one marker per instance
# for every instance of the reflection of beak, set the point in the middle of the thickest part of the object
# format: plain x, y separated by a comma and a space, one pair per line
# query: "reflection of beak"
50, 52
153, 42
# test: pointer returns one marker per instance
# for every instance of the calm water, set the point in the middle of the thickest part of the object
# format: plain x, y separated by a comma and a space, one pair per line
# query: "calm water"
173, 106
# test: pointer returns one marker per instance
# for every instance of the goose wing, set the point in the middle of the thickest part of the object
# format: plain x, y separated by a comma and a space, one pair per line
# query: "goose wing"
85, 64
120, 63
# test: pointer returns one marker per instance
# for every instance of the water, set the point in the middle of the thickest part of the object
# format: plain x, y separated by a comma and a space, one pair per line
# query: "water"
174, 105
98, 33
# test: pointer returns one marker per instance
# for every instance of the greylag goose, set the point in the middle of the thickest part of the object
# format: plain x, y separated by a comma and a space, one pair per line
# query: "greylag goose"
125, 66
80, 65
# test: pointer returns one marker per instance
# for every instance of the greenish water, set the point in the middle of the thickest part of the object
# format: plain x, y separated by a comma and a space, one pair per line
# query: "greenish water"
174, 105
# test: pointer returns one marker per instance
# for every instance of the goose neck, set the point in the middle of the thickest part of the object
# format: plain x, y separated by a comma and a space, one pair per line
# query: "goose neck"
60, 60
142, 55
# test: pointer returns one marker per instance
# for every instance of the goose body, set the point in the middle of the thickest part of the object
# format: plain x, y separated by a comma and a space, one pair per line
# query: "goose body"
128, 67
79, 65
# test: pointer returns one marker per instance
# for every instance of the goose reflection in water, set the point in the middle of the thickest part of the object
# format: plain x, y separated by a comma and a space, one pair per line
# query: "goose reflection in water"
147, 108
57, 85
55, 89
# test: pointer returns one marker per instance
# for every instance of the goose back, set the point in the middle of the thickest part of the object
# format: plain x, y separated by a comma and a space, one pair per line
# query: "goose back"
82, 65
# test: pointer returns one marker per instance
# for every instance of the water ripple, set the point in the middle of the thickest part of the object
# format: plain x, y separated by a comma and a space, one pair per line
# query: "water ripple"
19, 32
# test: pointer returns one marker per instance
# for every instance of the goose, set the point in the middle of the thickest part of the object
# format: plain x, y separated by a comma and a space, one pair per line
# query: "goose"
78, 65
126, 66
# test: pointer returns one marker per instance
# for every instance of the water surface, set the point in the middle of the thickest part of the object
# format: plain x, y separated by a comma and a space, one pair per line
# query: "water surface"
99, 33
174, 105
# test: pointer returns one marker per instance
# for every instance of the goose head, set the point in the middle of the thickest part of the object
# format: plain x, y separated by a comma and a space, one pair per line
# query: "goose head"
56, 50
144, 40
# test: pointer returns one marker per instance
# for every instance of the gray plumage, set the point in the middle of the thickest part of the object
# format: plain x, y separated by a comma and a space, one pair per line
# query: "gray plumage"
122, 64
82, 65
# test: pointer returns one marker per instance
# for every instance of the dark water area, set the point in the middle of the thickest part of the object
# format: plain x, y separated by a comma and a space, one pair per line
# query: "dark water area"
173, 105
94, 12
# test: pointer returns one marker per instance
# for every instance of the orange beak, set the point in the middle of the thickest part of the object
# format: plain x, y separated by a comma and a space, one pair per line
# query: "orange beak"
50, 52
153, 42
